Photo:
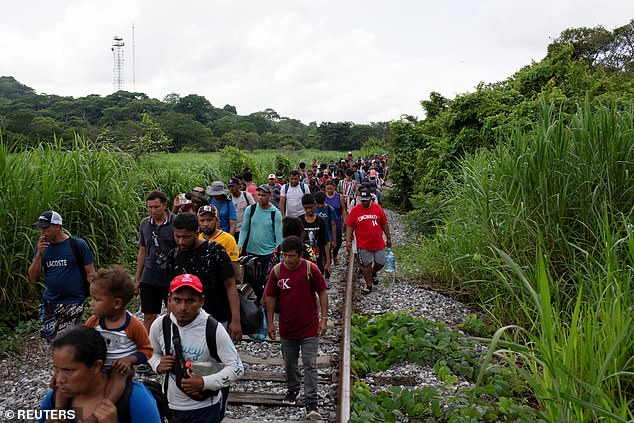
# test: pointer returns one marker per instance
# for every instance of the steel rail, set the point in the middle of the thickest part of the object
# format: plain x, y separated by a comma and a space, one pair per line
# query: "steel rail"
343, 410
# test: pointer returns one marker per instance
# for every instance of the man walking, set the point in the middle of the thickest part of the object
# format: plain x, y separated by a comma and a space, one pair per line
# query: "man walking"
368, 223
156, 239
194, 395
293, 284
275, 190
241, 200
261, 233
226, 209
291, 195
209, 261
67, 263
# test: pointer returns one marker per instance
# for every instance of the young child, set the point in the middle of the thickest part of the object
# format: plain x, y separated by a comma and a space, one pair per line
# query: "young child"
127, 340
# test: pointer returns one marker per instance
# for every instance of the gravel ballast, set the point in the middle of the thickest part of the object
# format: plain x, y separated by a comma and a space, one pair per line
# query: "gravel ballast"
25, 377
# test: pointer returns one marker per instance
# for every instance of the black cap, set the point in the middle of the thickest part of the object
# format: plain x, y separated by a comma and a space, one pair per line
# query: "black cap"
265, 187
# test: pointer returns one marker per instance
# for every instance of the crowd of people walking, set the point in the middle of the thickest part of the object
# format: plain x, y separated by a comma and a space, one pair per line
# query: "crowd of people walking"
280, 239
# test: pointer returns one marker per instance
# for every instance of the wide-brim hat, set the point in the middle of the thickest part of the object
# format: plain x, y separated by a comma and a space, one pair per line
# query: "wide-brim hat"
216, 188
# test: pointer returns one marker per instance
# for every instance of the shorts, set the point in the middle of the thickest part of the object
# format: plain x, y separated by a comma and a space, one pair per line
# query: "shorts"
366, 257
152, 297
54, 318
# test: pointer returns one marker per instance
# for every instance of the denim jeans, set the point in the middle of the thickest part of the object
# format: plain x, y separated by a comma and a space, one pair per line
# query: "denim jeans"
290, 351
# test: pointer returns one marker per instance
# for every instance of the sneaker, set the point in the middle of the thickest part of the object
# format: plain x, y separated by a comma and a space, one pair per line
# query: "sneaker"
291, 397
375, 279
312, 413
366, 290
143, 369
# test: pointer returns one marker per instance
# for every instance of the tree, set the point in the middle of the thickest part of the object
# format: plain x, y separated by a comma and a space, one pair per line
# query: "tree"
196, 106
12, 89
335, 135
435, 105
230, 123
172, 98
240, 139
187, 132
44, 128
137, 139
230, 109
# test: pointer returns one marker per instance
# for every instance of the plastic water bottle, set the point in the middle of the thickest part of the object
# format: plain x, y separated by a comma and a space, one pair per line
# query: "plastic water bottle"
205, 368
390, 261
260, 335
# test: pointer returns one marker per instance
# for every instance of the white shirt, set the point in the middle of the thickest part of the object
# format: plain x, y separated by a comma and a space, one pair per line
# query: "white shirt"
294, 196
195, 350
241, 204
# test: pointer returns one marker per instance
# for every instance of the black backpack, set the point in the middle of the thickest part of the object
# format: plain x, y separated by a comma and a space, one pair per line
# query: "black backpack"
80, 263
210, 336
123, 405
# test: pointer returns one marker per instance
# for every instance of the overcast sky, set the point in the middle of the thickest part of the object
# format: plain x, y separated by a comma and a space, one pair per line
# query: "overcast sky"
314, 60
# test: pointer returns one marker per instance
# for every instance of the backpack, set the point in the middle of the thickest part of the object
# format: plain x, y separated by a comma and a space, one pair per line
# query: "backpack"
246, 240
80, 263
302, 186
210, 337
277, 270
246, 199
309, 274
123, 405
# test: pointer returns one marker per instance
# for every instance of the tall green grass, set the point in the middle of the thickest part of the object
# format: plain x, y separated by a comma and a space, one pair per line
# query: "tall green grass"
540, 231
100, 195
579, 364
551, 189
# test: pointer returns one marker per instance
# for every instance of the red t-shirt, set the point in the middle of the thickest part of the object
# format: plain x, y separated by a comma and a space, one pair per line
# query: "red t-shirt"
367, 226
299, 316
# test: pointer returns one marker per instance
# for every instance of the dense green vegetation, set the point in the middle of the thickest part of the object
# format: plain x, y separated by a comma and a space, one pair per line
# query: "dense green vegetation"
100, 195
522, 199
524, 204
382, 341
191, 123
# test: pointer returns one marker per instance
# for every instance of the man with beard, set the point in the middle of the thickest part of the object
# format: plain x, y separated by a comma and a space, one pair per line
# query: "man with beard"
208, 230
210, 262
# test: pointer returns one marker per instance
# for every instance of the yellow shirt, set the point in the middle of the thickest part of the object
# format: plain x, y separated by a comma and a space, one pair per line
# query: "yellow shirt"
227, 241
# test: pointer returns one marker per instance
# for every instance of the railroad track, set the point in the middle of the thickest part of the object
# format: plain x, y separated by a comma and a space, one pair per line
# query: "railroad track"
257, 396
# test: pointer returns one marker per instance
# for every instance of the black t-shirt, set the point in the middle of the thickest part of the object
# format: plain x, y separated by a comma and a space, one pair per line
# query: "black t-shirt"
316, 234
211, 263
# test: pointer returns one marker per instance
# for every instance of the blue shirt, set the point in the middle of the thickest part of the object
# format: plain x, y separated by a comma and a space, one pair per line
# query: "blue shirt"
63, 281
328, 214
335, 203
226, 212
143, 407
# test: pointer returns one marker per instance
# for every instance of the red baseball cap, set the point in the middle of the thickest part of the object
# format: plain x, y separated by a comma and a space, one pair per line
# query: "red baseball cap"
188, 280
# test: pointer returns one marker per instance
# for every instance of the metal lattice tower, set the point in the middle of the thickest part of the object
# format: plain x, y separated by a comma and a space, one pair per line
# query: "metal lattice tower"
117, 71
